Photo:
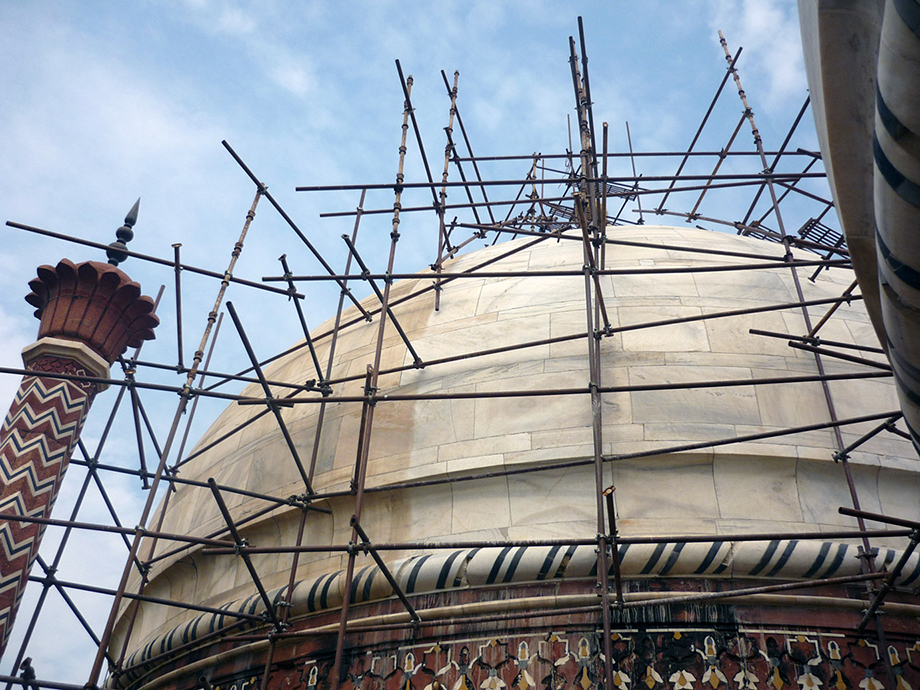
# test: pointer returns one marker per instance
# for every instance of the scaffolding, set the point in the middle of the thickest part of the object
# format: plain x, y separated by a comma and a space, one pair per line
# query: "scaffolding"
571, 197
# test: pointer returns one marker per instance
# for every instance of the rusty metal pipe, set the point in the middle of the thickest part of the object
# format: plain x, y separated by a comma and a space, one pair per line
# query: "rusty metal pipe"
613, 458
561, 273
93, 527
779, 154
263, 190
614, 540
515, 543
50, 581
366, 275
550, 392
226, 377
220, 439
321, 416
715, 170
888, 424
269, 398
466, 141
817, 341
412, 295
153, 600
814, 329
620, 179
780, 260
239, 523
878, 517
140, 530
374, 372
369, 548
152, 259
646, 154
442, 197
699, 130
37, 683
576, 336
888, 584
629, 192
239, 541
839, 355
302, 319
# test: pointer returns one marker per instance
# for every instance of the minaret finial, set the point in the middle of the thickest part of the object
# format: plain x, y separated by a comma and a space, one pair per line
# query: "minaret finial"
116, 251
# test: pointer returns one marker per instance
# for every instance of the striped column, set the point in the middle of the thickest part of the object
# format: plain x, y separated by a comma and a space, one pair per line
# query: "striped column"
90, 313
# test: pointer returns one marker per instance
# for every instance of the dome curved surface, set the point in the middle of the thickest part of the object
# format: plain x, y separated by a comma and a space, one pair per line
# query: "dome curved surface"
541, 417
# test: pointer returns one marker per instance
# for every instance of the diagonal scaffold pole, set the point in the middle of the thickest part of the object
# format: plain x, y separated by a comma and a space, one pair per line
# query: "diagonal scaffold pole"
586, 90
274, 404
151, 259
442, 197
240, 542
191, 414
371, 549
136, 408
388, 278
184, 398
364, 439
691, 215
868, 561
776, 159
303, 323
472, 159
699, 131
171, 474
454, 156
333, 341
263, 190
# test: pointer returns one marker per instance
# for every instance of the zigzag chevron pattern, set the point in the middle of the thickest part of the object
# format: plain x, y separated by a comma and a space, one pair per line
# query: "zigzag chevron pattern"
36, 441
50, 453
69, 399
34, 419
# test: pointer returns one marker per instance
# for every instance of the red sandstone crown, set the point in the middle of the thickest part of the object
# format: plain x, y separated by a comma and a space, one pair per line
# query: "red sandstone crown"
94, 303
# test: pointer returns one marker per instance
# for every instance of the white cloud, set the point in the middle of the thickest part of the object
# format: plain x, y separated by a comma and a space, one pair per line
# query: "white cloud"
260, 36
15, 333
236, 21
293, 77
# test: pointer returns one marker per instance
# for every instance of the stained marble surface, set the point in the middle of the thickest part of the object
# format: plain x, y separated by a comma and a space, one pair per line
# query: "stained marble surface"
787, 483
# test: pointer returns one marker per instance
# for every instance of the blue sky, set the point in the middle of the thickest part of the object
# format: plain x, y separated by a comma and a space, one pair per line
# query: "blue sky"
105, 102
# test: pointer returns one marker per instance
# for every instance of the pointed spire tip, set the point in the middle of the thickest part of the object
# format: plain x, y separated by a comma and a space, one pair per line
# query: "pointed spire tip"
131, 218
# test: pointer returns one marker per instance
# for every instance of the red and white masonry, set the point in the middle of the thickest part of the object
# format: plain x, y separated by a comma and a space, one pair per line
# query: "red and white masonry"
90, 313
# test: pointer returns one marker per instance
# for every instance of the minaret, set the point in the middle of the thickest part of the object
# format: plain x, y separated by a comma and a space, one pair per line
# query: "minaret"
90, 314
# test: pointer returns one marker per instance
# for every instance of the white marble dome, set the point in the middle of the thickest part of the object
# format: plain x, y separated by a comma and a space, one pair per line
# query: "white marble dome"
788, 483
